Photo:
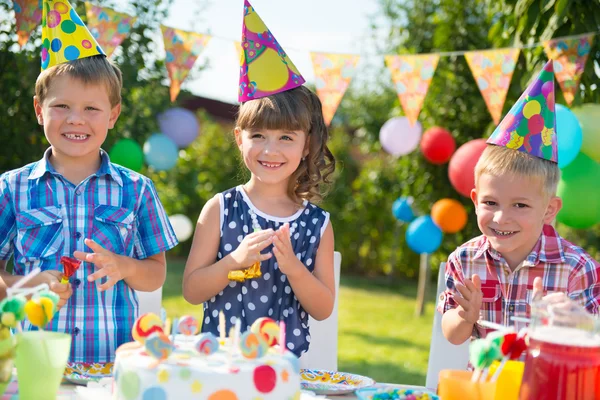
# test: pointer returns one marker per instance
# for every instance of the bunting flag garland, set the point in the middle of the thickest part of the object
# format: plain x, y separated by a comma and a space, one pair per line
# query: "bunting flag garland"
109, 27
333, 73
412, 76
28, 14
493, 70
569, 57
182, 48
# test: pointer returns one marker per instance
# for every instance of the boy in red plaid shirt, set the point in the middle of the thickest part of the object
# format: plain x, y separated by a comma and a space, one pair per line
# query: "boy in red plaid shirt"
519, 254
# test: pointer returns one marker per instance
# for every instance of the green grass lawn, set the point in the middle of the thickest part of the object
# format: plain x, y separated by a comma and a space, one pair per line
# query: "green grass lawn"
379, 336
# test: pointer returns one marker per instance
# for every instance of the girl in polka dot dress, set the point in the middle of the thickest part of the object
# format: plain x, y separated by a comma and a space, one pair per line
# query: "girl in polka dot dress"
271, 218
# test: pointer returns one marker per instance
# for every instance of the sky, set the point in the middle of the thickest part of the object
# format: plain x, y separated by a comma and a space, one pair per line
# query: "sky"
301, 26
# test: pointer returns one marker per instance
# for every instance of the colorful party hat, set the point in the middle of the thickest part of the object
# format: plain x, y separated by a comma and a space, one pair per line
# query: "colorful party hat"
530, 125
265, 69
64, 36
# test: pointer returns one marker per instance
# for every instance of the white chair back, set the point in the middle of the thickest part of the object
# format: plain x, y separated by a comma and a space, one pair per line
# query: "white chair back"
322, 353
150, 301
442, 353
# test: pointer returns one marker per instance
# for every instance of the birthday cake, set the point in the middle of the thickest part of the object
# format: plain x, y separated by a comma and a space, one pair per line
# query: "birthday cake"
242, 366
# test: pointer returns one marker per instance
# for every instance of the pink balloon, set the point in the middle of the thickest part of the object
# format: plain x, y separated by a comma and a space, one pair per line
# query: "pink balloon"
461, 169
398, 137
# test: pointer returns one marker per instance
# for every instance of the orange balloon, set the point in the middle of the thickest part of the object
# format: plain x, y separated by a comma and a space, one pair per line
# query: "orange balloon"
449, 214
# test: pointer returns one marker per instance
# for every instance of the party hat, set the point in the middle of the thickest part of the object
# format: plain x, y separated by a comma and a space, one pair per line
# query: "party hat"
64, 36
530, 125
265, 69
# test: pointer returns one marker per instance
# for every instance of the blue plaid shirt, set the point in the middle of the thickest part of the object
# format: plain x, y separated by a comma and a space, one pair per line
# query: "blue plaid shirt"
43, 217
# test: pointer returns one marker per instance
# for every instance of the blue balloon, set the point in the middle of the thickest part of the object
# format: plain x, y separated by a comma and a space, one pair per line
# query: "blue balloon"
180, 124
569, 135
402, 209
161, 152
423, 235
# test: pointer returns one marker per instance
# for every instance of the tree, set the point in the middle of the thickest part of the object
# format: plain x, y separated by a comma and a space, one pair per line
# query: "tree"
453, 102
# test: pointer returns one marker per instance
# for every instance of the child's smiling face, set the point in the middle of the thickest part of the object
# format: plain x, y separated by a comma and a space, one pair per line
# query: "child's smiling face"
511, 212
271, 155
76, 117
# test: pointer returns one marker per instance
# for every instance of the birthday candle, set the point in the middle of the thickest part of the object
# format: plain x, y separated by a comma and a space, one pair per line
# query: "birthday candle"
282, 345
222, 326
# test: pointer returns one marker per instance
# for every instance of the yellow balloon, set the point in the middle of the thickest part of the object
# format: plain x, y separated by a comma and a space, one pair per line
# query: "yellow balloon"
531, 108
268, 71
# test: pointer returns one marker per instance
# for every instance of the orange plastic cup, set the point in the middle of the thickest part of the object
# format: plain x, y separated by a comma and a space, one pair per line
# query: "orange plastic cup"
457, 385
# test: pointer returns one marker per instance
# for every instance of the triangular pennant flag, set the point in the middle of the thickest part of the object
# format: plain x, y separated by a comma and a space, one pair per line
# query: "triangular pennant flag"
109, 27
530, 125
238, 50
412, 76
182, 48
333, 73
569, 57
28, 14
64, 35
265, 68
493, 70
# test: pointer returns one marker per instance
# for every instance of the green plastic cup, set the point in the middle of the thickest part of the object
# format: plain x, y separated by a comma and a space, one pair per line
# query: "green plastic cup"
41, 360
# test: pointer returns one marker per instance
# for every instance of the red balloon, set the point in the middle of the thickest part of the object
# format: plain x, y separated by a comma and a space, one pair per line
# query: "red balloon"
437, 145
461, 169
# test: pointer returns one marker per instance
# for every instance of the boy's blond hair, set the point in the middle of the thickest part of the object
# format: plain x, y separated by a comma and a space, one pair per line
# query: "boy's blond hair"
500, 160
89, 70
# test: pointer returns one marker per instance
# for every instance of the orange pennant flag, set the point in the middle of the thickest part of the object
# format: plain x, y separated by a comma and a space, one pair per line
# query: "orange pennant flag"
29, 15
493, 70
333, 73
569, 57
108, 27
412, 76
182, 48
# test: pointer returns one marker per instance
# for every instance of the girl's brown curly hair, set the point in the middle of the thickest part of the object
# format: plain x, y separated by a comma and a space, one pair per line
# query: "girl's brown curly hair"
297, 109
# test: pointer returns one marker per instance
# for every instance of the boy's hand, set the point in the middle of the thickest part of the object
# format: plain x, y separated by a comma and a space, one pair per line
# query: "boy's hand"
106, 261
284, 252
248, 252
552, 298
470, 302
63, 290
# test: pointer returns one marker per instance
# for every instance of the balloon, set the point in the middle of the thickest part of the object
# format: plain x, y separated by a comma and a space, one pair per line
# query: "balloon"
449, 214
568, 133
461, 169
589, 119
402, 209
580, 193
182, 226
128, 153
180, 125
423, 235
437, 145
161, 152
398, 137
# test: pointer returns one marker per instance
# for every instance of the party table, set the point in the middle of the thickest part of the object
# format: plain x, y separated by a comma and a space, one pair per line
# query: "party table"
73, 392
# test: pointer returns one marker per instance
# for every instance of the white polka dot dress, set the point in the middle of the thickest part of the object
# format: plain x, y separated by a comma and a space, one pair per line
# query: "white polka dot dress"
270, 295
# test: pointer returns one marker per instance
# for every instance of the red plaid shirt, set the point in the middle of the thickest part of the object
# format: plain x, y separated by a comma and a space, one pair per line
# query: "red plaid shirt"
562, 266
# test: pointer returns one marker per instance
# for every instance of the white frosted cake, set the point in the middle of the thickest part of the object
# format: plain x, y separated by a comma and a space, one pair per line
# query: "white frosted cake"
188, 370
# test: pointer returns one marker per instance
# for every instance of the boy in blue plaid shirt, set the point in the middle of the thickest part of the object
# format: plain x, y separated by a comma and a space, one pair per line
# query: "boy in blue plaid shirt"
74, 202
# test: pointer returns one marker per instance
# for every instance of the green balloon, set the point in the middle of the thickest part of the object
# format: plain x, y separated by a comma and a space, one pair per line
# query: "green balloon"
579, 189
589, 119
128, 153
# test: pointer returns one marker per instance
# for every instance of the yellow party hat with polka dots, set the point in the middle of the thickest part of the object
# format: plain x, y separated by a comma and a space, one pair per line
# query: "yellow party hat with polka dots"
64, 36
265, 68
530, 125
